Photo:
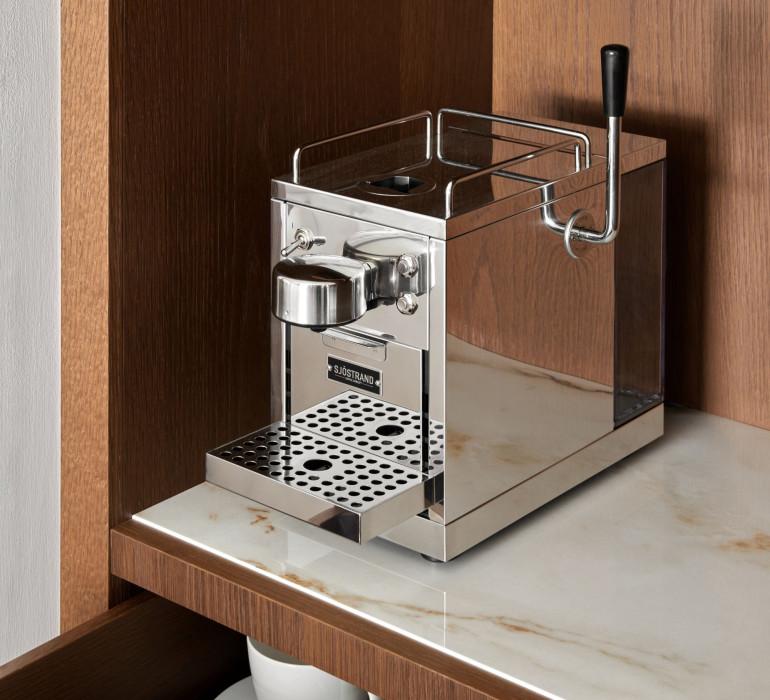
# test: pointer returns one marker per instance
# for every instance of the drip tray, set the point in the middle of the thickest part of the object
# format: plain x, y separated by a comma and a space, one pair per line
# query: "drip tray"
334, 486
384, 429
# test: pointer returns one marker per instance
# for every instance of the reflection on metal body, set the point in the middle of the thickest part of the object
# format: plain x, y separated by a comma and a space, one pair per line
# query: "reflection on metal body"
612, 205
400, 367
485, 361
513, 418
452, 186
578, 136
568, 230
356, 344
384, 320
445, 542
386, 252
277, 329
304, 239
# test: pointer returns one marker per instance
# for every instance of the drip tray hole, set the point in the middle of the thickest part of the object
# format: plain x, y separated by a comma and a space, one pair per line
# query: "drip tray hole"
317, 465
389, 430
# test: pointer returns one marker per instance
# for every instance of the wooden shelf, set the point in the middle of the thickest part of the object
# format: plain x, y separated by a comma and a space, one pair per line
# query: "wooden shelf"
339, 642
178, 655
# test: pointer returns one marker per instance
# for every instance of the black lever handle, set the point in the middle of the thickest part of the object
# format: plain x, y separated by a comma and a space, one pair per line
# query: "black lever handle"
614, 79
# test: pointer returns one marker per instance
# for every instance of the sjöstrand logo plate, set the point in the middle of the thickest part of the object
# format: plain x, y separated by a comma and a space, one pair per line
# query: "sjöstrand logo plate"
355, 375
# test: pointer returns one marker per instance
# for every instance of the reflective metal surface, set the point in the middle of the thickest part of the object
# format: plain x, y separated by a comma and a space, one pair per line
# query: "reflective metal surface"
451, 186
359, 345
490, 362
508, 420
304, 239
277, 329
319, 480
445, 542
407, 304
426, 115
376, 426
336, 186
579, 136
399, 367
320, 290
385, 251
383, 321
612, 197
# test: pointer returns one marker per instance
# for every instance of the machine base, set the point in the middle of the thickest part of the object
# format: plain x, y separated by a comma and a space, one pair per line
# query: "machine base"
445, 542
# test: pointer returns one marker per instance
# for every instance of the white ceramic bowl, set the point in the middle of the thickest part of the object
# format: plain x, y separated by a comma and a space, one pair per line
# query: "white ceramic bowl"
278, 676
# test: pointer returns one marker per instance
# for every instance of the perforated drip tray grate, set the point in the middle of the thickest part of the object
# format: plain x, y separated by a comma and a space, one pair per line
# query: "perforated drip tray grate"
375, 426
333, 485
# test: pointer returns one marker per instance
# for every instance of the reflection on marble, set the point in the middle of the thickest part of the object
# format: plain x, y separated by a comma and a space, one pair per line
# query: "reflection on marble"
508, 420
650, 581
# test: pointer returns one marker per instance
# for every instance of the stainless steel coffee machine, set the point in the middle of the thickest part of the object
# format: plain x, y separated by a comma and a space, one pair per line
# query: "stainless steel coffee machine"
466, 327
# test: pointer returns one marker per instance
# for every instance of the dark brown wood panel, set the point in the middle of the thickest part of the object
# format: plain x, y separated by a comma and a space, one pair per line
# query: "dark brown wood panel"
207, 102
169, 140
446, 55
84, 321
700, 78
145, 648
357, 650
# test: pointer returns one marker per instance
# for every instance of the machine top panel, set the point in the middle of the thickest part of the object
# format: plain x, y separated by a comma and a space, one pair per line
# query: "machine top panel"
472, 171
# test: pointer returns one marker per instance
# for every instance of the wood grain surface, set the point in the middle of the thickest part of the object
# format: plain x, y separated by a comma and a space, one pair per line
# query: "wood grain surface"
445, 49
339, 642
145, 648
169, 140
207, 102
84, 311
700, 78
530, 300
598, 317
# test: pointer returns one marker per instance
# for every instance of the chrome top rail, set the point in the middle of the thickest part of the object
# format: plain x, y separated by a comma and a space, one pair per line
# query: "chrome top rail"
497, 169
350, 134
579, 135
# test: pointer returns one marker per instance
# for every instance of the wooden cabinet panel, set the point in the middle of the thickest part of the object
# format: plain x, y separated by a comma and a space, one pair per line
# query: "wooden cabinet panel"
208, 100
144, 648
175, 117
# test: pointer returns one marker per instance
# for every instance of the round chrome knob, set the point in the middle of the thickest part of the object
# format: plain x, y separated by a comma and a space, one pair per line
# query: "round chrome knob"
407, 304
407, 265
319, 290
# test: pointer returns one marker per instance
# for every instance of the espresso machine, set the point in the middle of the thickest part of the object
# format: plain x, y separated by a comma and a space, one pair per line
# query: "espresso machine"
465, 325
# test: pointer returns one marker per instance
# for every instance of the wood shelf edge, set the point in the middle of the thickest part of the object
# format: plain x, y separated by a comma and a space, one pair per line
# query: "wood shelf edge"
337, 641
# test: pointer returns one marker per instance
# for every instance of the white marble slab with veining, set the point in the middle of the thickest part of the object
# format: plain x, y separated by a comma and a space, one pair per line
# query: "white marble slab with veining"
650, 581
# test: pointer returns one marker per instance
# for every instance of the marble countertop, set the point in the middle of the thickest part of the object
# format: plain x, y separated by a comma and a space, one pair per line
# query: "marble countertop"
650, 581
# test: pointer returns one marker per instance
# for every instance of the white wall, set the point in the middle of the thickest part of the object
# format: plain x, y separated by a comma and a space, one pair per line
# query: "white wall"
29, 324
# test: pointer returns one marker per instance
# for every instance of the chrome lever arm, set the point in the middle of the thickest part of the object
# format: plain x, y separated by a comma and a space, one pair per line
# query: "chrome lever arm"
614, 85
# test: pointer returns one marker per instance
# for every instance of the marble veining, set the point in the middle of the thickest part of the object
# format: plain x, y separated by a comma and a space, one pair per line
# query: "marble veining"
514, 418
650, 581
